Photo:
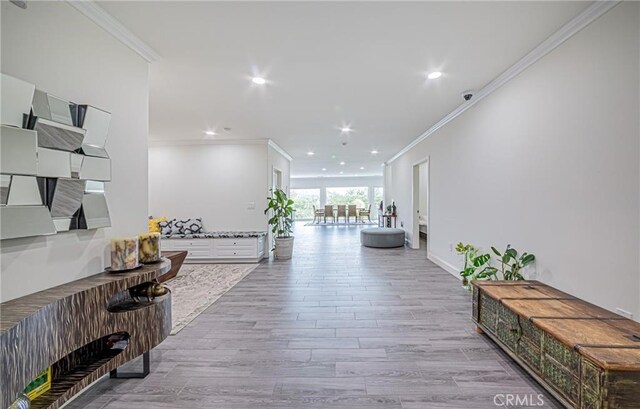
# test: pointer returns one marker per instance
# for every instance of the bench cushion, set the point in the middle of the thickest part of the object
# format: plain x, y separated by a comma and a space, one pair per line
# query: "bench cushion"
218, 235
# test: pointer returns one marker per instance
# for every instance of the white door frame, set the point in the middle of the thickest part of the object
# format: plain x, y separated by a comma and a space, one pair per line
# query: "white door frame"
276, 179
415, 192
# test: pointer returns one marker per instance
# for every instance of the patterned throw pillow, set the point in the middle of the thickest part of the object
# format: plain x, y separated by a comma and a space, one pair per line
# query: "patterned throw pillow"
166, 227
154, 226
187, 226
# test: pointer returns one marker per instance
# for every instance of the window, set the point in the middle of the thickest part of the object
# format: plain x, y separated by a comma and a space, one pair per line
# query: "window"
358, 196
304, 200
378, 196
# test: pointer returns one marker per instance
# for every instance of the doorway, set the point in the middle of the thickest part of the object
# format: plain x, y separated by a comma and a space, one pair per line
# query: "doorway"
277, 179
421, 226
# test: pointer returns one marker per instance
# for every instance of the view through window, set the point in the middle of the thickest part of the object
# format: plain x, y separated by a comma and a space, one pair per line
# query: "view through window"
358, 196
378, 196
304, 200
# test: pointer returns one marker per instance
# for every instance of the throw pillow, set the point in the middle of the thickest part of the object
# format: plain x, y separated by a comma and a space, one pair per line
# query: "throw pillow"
188, 226
154, 226
166, 227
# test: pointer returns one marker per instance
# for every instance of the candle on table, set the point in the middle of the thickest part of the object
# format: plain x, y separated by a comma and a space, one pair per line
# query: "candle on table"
124, 253
149, 247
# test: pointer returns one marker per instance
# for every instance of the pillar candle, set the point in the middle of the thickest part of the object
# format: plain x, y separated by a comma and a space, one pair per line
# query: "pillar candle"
124, 253
149, 247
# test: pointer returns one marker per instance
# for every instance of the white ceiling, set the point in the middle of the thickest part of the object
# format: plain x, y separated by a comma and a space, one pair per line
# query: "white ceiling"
327, 64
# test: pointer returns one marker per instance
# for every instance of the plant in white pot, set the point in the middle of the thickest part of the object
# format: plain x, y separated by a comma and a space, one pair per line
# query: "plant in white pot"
281, 222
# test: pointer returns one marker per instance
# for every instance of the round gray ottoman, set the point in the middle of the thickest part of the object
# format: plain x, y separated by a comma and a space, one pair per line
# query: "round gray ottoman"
382, 237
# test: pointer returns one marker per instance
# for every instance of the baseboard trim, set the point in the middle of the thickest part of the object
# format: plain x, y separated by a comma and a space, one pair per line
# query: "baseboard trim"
213, 260
450, 268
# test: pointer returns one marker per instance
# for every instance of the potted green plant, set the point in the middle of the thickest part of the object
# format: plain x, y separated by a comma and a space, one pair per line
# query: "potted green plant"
511, 264
281, 222
476, 266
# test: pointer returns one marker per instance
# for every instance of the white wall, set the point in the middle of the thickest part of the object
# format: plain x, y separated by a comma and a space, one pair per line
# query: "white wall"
355, 181
55, 47
550, 164
216, 181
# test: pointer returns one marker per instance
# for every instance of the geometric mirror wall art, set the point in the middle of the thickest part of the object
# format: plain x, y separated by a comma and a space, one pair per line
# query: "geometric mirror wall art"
53, 163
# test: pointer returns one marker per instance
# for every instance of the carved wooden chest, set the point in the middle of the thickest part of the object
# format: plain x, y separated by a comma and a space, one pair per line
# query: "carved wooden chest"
587, 357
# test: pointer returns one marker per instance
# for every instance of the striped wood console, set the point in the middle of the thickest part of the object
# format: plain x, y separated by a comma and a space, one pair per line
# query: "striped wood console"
67, 327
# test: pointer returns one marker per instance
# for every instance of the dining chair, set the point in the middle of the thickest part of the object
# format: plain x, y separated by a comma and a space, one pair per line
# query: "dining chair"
317, 214
342, 212
328, 212
352, 212
365, 213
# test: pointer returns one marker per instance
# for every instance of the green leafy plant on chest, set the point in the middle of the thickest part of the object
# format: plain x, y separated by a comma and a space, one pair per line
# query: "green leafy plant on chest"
476, 265
512, 264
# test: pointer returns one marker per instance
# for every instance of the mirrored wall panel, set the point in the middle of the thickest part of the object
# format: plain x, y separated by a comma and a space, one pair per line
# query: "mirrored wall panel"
25, 221
16, 99
53, 163
18, 151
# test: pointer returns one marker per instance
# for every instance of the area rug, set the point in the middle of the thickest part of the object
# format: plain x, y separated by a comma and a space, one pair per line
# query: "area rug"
197, 286
321, 224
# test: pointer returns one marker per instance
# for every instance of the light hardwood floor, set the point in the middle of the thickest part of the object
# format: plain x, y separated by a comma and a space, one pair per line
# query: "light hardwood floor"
339, 326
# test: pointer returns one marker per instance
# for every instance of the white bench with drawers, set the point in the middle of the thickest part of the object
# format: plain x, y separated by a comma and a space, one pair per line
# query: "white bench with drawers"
219, 247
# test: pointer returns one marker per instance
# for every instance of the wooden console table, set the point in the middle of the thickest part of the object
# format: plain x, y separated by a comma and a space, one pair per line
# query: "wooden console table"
587, 357
68, 328
177, 259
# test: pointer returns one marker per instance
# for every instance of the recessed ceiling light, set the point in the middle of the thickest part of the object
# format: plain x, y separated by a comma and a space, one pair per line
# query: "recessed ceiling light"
361, 167
259, 80
434, 75
210, 133
342, 163
345, 129
310, 153
374, 152
324, 169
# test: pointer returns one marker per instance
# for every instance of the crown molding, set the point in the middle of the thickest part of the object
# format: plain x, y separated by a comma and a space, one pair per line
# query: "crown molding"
278, 149
580, 21
107, 22
204, 141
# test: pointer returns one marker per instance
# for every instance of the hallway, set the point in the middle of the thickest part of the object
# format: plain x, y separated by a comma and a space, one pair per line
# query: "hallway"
339, 326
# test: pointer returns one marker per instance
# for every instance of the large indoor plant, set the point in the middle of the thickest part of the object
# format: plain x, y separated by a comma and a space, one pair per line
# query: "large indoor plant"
281, 222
